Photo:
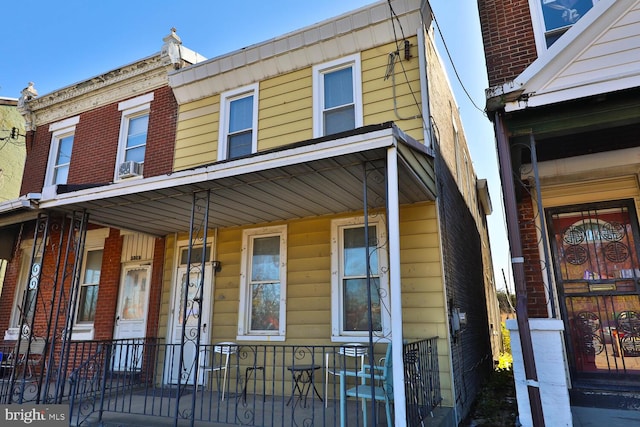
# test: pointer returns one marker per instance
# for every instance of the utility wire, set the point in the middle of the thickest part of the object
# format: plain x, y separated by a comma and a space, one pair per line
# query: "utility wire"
455, 70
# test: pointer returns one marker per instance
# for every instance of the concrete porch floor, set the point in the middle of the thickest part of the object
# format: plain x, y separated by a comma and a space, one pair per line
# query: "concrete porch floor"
599, 417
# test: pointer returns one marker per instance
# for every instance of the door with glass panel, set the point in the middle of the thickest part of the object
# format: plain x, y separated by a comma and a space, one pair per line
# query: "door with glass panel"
595, 251
131, 316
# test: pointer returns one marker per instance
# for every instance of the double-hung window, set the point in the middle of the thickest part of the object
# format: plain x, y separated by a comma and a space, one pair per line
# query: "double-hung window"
62, 137
360, 281
132, 145
552, 18
238, 123
88, 294
263, 284
337, 96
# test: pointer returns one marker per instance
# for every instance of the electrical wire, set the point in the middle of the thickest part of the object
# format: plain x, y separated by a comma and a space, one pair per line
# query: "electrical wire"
453, 65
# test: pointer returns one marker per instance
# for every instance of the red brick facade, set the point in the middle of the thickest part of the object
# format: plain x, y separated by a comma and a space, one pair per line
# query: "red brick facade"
536, 297
107, 293
509, 43
95, 144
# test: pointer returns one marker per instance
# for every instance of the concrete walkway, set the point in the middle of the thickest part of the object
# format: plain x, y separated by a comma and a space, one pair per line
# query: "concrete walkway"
598, 417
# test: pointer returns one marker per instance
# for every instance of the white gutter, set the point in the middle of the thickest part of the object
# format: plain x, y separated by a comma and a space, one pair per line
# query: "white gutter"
393, 212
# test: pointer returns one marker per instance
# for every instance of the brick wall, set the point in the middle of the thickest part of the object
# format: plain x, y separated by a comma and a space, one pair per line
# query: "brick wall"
509, 42
536, 297
109, 286
95, 144
464, 283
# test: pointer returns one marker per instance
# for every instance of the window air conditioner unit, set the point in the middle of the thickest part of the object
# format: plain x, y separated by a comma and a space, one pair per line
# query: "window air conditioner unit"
129, 169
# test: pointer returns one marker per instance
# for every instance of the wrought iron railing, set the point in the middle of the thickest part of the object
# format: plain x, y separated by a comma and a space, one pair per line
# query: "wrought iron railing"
422, 380
259, 385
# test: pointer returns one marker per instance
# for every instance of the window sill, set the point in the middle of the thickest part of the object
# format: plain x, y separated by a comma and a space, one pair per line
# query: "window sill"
276, 338
82, 333
359, 339
11, 334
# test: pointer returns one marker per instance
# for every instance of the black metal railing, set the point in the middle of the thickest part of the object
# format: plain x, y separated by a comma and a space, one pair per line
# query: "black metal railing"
422, 380
234, 384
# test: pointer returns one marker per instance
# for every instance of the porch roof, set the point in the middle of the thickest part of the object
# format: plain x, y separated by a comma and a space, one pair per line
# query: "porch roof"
316, 177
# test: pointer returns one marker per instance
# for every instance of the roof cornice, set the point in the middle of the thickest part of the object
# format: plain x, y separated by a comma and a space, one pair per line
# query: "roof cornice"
118, 84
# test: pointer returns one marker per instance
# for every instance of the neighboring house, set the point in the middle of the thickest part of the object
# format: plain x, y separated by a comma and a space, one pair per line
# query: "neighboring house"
564, 79
12, 154
299, 195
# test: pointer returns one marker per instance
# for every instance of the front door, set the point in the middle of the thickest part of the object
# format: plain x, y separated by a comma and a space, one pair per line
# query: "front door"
198, 313
131, 317
597, 269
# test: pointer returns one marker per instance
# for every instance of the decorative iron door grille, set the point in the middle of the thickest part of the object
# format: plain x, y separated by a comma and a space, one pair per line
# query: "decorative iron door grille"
595, 252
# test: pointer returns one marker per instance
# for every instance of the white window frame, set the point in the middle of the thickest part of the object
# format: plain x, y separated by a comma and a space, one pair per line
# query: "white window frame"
225, 109
318, 90
337, 296
60, 130
94, 241
539, 27
244, 312
131, 109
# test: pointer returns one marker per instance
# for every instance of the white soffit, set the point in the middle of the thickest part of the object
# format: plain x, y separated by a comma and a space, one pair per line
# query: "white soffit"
599, 54
333, 38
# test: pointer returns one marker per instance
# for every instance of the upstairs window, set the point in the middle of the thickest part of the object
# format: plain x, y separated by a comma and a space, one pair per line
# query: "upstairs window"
132, 144
552, 18
238, 123
61, 150
63, 160
136, 138
337, 91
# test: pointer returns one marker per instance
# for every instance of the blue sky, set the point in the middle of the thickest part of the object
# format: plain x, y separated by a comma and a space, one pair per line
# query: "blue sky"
57, 43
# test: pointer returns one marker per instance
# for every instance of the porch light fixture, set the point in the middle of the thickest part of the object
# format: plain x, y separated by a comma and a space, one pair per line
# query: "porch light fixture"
217, 266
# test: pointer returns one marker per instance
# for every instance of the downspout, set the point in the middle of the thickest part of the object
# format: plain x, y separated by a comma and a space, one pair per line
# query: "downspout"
393, 218
517, 264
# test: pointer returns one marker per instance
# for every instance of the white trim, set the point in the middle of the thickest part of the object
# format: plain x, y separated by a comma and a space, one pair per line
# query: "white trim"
337, 227
63, 129
136, 107
244, 310
393, 219
135, 102
225, 104
352, 61
66, 123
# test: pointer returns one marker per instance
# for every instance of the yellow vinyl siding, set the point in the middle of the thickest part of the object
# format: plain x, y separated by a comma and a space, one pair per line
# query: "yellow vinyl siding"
377, 93
197, 133
286, 109
622, 187
309, 282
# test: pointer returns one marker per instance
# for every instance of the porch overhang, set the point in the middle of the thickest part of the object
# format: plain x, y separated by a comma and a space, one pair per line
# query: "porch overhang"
316, 177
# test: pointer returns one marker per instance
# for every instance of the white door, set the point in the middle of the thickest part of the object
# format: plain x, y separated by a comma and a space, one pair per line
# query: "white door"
196, 312
131, 317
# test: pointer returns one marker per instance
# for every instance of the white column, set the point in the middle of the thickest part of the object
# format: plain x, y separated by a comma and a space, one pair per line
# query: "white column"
393, 217
548, 351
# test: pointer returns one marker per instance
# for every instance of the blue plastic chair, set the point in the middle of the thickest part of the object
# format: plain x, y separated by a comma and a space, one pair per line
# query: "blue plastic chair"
382, 391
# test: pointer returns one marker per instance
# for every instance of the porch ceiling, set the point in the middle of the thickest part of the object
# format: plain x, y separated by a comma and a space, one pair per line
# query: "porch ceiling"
303, 180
